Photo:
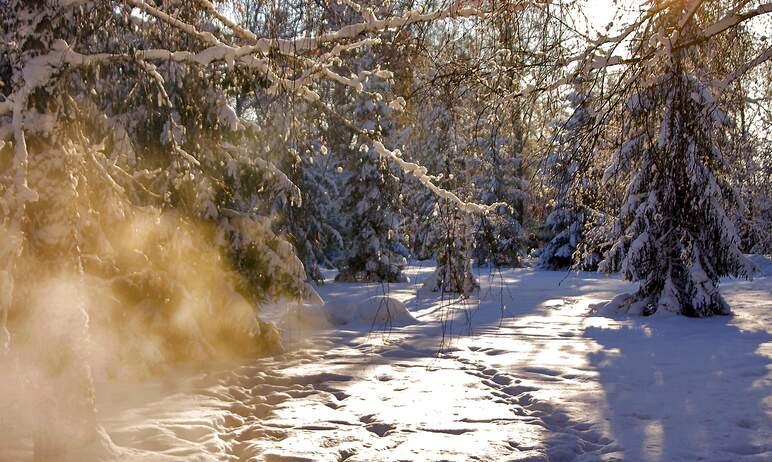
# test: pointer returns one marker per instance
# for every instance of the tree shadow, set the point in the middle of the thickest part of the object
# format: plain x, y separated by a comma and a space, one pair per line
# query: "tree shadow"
686, 389
531, 314
669, 388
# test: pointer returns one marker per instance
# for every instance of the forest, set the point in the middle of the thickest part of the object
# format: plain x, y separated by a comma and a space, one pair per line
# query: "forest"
357, 230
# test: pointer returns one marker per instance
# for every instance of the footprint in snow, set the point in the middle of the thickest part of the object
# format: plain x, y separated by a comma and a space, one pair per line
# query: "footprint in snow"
748, 424
277, 398
380, 428
543, 371
273, 457
749, 450
515, 390
317, 427
448, 431
502, 379
496, 352
571, 439
366, 419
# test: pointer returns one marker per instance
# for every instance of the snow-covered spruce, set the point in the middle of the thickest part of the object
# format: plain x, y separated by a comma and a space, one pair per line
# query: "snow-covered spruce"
574, 186
431, 144
311, 224
676, 231
376, 253
372, 198
497, 174
566, 226
453, 249
446, 225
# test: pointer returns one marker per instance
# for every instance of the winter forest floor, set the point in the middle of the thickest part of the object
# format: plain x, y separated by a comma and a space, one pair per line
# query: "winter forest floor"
523, 372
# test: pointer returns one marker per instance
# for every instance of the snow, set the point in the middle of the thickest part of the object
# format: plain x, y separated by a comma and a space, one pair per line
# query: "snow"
421, 173
522, 371
377, 312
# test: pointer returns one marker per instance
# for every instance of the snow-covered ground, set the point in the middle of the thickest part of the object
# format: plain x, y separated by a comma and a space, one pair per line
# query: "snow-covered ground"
525, 372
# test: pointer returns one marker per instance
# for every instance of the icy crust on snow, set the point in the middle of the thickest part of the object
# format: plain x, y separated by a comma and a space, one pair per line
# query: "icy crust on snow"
523, 371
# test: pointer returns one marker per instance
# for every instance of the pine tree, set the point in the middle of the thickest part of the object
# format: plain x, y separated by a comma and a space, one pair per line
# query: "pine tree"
372, 194
419, 225
120, 168
453, 248
676, 234
430, 144
311, 224
499, 237
569, 175
373, 222
454, 238
441, 228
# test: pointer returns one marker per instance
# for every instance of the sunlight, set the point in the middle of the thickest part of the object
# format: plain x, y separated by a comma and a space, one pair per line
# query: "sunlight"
600, 13
313, 230
652, 442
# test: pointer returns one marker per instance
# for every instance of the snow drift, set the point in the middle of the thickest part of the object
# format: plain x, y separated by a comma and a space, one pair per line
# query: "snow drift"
377, 312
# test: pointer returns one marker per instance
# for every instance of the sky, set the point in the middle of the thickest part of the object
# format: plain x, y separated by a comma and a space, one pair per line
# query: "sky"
600, 12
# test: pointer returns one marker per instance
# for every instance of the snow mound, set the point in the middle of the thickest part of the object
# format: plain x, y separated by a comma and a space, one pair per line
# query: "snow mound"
378, 311
626, 305
614, 307
340, 312
383, 310
316, 316
430, 285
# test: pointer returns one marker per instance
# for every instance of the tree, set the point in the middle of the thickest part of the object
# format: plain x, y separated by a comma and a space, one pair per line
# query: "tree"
676, 233
453, 248
374, 218
443, 227
312, 224
571, 179
499, 236
124, 164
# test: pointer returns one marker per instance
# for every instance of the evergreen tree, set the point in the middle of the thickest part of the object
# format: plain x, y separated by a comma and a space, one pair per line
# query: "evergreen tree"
676, 234
453, 248
571, 180
429, 144
453, 239
419, 225
499, 236
442, 229
372, 198
311, 224
373, 223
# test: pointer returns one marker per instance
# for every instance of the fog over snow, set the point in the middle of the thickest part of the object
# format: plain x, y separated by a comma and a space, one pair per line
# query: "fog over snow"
344, 230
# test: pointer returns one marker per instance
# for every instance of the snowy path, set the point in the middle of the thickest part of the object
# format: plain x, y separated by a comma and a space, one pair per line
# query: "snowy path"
545, 382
